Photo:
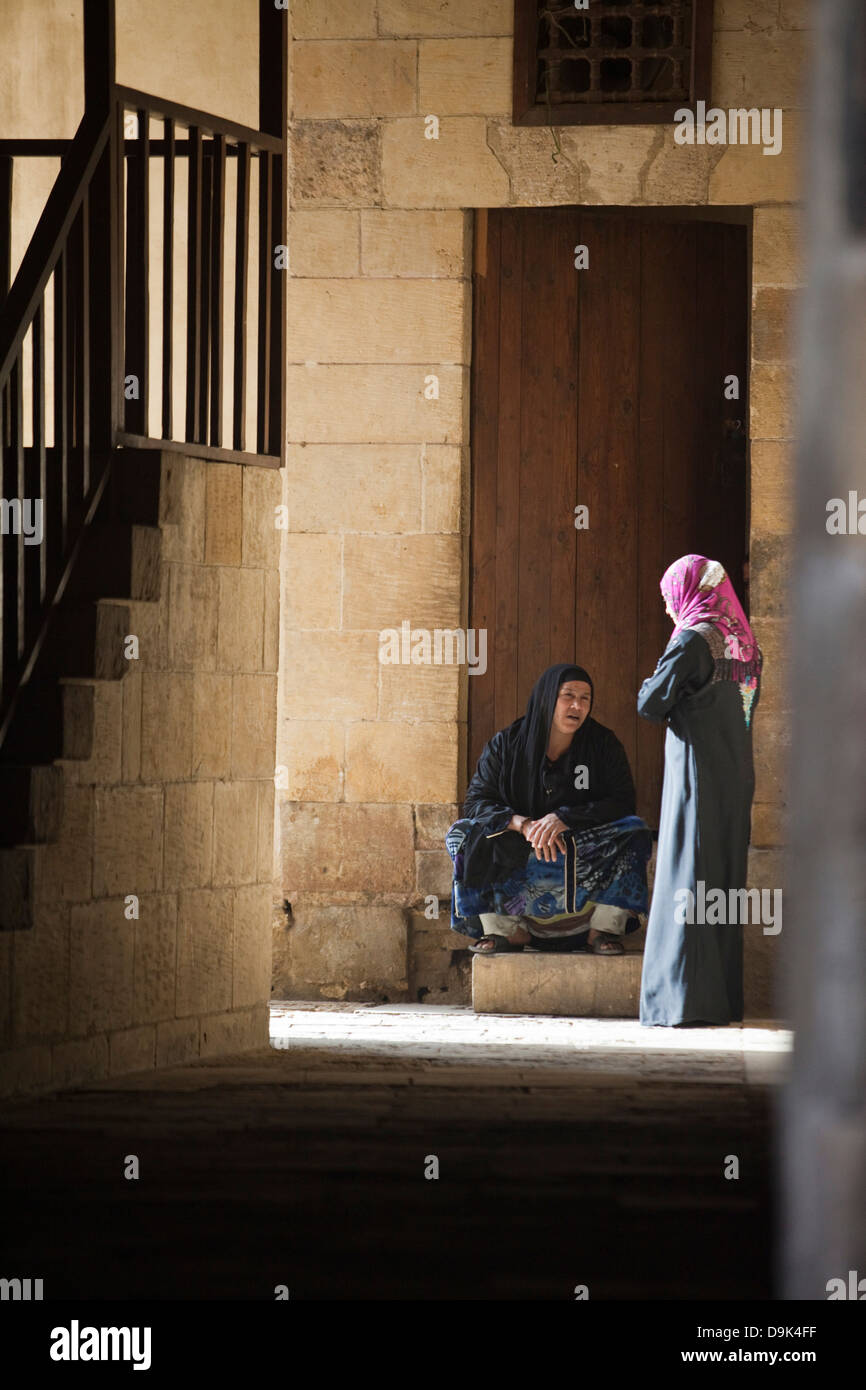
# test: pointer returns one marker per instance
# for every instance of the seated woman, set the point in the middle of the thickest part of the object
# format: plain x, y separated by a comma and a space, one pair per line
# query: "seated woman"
549, 846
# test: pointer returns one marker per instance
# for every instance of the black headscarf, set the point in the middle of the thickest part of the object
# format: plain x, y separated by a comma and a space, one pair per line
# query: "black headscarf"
523, 772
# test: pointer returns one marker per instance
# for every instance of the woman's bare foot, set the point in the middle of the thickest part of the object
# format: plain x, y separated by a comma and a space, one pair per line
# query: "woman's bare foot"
608, 944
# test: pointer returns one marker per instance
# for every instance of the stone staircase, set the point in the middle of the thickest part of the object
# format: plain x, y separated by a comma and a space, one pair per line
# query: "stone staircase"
57, 715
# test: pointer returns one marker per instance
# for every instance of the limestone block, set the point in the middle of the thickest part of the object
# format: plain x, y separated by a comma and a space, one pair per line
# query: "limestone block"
746, 14
772, 500
104, 763
414, 243
312, 753
432, 823
744, 174
266, 867
254, 706
678, 173
526, 153
130, 738
20, 870
334, 675
768, 825
235, 831
132, 1050
751, 69
335, 163
177, 1042
465, 77
262, 494
75, 1063
25, 1070
127, 850
612, 160
192, 618
572, 986
419, 692
379, 321
343, 847
339, 19
797, 14
348, 953
311, 582
271, 622
773, 322
240, 641
457, 170
339, 404
154, 980
189, 817
5, 990
772, 634
354, 487
772, 748
770, 576
401, 762
433, 873
772, 403
224, 514
40, 985
241, 1031
204, 951
440, 963
442, 474
66, 866
147, 623
167, 702
182, 508
354, 79
251, 950
100, 967
211, 725
777, 253
324, 242
445, 17
387, 580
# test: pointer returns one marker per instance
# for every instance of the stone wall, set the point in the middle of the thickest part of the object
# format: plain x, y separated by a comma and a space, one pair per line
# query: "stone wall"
175, 806
379, 301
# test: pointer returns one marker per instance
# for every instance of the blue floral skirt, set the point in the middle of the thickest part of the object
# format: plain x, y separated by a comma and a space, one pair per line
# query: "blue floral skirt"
601, 864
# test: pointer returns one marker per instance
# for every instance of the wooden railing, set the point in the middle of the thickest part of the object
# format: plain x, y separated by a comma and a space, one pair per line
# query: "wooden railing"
109, 339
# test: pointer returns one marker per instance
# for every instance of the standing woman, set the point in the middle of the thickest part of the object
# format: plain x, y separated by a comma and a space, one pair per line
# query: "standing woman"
706, 687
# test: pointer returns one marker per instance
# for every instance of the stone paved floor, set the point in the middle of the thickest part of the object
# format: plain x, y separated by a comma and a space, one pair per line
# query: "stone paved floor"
571, 1151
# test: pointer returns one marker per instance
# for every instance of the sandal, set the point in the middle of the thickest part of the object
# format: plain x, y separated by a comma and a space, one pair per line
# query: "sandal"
501, 945
607, 944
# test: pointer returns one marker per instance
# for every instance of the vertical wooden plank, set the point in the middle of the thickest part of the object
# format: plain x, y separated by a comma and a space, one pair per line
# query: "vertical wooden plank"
483, 446
218, 208
58, 520
606, 633
193, 293
562, 456
273, 117
678, 344
653, 625
74, 258
135, 361
541, 287
504, 640
13, 487
84, 341
242, 245
167, 276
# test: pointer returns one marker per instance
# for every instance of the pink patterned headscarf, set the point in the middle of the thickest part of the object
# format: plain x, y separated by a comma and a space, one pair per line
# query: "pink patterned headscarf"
699, 591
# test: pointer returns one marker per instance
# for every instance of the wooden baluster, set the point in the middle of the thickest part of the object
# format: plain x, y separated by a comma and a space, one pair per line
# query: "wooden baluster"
167, 276
242, 247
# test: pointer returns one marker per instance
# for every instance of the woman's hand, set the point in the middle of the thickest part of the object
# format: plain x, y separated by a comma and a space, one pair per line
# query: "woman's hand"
545, 836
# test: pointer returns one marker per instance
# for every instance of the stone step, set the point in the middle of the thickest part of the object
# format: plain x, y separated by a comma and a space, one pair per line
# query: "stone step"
575, 985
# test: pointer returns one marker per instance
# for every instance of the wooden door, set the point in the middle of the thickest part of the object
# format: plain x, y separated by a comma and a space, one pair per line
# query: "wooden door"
601, 387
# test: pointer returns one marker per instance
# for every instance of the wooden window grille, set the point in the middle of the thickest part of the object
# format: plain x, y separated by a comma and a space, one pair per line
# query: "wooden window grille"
616, 61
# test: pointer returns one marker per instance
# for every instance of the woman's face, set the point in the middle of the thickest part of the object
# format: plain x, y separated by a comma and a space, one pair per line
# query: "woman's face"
670, 612
572, 707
